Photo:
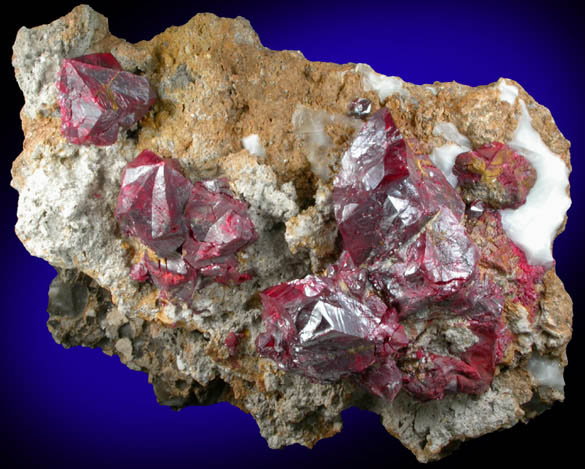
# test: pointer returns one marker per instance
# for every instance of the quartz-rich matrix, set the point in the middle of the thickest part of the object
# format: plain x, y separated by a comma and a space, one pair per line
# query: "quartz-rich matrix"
295, 238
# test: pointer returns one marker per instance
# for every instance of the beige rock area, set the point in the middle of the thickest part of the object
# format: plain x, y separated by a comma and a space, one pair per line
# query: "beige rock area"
217, 85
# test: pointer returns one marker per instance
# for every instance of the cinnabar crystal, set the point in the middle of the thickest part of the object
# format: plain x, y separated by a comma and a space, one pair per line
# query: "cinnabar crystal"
97, 98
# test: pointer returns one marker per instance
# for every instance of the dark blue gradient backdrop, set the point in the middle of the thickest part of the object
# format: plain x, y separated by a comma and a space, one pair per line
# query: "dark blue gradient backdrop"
79, 408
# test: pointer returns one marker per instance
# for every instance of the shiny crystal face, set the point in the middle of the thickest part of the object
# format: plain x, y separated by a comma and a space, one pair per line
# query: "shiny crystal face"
359, 107
219, 224
194, 230
409, 264
151, 202
97, 98
328, 327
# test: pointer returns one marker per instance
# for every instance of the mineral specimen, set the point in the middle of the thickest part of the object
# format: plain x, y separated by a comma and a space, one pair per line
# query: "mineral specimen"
97, 98
278, 257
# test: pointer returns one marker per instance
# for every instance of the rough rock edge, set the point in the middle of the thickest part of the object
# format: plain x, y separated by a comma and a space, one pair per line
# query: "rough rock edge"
93, 302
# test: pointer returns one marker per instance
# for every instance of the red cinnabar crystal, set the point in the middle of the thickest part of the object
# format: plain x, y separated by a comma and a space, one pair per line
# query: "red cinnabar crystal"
231, 342
151, 202
219, 224
501, 255
97, 98
173, 277
318, 328
495, 174
383, 194
397, 212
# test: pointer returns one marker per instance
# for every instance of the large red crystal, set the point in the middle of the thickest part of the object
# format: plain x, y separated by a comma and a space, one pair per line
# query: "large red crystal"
317, 327
383, 194
97, 98
397, 212
151, 202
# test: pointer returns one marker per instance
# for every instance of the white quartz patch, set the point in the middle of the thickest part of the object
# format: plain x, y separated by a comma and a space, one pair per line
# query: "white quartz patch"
508, 93
533, 225
253, 145
546, 371
448, 131
443, 157
310, 125
382, 85
432, 89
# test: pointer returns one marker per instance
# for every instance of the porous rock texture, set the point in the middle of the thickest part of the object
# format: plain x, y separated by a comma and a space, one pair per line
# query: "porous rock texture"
217, 84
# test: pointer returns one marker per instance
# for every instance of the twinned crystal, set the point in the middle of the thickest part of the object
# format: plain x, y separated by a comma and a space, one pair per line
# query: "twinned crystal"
328, 327
219, 224
151, 202
97, 98
194, 230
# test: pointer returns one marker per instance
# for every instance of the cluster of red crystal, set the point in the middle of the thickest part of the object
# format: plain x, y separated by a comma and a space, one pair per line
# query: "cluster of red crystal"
407, 256
494, 174
97, 98
195, 230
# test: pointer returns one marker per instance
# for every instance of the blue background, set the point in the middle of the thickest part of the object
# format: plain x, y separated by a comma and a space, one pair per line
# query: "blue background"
81, 408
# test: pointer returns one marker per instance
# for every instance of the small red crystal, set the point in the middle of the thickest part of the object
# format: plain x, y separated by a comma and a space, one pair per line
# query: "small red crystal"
231, 342
139, 271
359, 107
151, 202
383, 379
97, 98
220, 224
495, 174
225, 271
173, 277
